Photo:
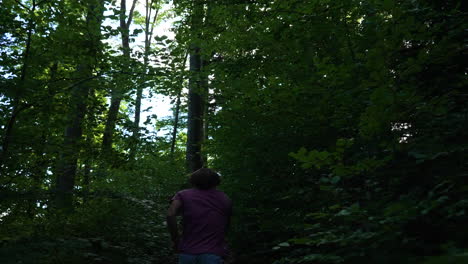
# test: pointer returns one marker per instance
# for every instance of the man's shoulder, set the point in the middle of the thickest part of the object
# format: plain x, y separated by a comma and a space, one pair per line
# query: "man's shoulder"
185, 190
196, 192
182, 193
224, 195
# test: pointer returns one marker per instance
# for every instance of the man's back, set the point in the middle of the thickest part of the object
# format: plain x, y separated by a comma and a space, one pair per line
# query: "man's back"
205, 219
205, 216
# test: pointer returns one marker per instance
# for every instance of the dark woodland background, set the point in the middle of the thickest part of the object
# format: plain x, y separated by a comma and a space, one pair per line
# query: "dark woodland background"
339, 128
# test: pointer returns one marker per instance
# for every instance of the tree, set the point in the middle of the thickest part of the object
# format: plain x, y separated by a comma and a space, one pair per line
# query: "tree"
17, 105
177, 107
149, 24
119, 90
67, 164
196, 93
345, 122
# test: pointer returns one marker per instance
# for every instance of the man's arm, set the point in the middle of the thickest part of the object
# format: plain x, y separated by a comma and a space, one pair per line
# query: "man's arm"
174, 208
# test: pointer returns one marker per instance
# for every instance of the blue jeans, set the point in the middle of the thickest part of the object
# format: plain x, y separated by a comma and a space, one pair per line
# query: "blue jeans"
200, 259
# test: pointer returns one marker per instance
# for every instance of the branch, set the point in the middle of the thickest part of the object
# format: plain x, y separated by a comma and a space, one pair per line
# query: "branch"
123, 10
43, 1
152, 27
83, 81
21, 4
148, 9
130, 15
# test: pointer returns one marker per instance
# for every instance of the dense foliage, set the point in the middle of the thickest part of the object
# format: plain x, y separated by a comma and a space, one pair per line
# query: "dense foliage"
339, 128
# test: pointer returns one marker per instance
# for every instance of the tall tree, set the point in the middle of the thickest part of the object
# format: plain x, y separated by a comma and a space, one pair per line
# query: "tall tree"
150, 23
196, 102
17, 105
67, 164
121, 87
177, 108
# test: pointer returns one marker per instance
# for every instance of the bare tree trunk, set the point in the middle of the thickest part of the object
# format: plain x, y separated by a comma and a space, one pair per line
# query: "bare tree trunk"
194, 158
206, 113
66, 167
206, 110
198, 90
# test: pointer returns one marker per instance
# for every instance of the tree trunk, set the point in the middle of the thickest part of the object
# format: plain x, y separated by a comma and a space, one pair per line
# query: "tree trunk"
119, 90
86, 179
177, 110
150, 22
16, 103
176, 123
66, 167
206, 109
198, 85
116, 98
194, 158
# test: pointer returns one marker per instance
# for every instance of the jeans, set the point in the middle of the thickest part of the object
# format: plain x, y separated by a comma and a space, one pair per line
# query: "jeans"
200, 259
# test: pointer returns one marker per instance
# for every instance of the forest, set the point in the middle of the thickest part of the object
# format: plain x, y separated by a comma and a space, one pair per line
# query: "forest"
339, 128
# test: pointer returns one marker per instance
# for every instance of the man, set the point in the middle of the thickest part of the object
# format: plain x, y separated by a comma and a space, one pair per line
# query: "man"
206, 214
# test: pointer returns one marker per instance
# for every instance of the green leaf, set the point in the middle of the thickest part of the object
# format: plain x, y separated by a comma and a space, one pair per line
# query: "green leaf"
284, 244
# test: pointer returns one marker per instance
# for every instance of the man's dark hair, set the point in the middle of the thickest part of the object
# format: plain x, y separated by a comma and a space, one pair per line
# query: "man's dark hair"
205, 178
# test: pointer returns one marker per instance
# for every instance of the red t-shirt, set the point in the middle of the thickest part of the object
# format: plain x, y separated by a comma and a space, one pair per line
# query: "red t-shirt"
205, 217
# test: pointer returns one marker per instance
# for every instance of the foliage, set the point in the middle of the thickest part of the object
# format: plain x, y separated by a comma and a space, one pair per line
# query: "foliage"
359, 96
339, 129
